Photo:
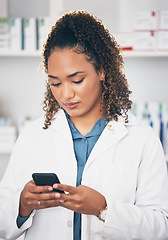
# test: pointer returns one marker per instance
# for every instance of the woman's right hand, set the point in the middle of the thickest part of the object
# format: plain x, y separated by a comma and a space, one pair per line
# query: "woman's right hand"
37, 197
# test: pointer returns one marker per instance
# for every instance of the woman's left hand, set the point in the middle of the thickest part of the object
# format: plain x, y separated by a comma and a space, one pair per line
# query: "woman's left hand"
81, 199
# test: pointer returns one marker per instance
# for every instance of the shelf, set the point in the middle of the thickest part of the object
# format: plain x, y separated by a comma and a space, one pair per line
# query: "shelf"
20, 53
38, 53
145, 53
7, 152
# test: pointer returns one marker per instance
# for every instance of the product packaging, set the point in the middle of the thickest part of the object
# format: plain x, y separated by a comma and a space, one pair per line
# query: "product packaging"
16, 34
43, 30
144, 40
147, 20
4, 33
163, 20
162, 40
30, 34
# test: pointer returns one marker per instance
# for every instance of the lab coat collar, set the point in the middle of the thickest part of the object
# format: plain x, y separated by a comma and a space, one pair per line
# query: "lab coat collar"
113, 132
61, 115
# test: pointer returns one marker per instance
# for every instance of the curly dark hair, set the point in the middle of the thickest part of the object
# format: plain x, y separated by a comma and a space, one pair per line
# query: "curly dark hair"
84, 33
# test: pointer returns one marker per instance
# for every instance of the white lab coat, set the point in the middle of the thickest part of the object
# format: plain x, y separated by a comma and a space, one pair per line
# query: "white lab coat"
126, 165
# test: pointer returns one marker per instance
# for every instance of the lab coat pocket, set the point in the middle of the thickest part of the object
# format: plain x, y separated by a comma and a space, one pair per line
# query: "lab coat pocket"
120, 182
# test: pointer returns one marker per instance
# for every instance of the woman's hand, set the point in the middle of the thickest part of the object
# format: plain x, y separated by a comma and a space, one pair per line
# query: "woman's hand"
81, 199
37, 197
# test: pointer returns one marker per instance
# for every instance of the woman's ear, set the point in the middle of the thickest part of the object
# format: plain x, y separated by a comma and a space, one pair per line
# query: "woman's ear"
102, 75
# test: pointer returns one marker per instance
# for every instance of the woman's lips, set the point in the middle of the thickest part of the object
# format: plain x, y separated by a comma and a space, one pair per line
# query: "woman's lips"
71, 105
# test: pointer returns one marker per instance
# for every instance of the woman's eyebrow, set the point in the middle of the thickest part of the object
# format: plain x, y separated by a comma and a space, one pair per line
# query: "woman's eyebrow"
50, 76
74, 74
69, 76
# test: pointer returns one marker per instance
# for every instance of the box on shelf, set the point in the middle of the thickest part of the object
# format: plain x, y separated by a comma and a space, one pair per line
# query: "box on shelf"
4, 33
43, 30
4, 46
30, 34
162, 40
4, 42
163, 20
16, 34
5, 121
147, 20
4, 27
125, 40
154, 114
144, 40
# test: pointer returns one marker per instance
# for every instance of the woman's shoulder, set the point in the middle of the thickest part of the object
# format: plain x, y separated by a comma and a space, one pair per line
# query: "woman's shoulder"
37, 126
33, 124
140, 128
32, 129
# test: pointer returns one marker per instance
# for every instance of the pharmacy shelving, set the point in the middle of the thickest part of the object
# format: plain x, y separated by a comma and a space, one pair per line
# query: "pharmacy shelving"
145, 53
125, 53
23, 53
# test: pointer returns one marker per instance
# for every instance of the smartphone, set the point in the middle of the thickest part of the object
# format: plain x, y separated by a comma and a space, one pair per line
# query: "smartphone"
43, 179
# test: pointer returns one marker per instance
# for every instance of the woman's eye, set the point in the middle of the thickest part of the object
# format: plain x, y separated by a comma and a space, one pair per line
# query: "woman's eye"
77, 82
55, 84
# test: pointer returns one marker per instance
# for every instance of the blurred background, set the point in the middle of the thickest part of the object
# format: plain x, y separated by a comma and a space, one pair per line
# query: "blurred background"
139, 26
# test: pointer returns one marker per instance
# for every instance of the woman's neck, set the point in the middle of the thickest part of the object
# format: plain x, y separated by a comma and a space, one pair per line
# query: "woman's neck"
84, 124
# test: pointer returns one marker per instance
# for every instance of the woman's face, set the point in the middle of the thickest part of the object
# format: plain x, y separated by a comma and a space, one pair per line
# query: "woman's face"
74, 83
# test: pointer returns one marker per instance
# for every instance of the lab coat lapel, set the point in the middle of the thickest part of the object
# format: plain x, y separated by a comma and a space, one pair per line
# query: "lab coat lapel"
60, 124
112, 134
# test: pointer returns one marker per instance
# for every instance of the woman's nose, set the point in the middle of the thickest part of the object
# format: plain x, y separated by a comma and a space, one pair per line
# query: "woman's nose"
68, 91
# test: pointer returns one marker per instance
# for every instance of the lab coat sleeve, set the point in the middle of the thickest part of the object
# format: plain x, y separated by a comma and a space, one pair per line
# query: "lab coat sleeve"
147, 218
10, 189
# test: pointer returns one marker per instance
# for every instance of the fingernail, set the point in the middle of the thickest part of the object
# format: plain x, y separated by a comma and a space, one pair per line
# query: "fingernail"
55, 186
61, 201
50, 188
57, 195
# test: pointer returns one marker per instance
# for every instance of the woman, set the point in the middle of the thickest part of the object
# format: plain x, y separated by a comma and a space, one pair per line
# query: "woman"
110, 165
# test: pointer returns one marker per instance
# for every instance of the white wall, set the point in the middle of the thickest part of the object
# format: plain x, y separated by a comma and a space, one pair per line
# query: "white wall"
28, 8
148, 78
